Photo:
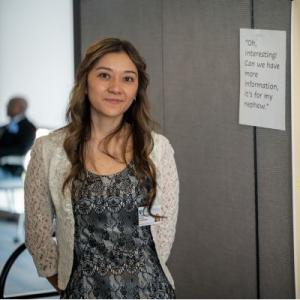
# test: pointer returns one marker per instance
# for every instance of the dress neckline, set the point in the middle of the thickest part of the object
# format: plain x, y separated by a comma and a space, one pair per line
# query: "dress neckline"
90, 173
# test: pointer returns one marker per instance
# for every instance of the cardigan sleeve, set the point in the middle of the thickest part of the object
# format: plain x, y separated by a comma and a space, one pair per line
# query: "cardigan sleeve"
39, 214
169, 185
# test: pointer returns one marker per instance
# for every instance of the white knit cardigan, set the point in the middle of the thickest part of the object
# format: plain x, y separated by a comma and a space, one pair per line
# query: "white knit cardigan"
44, 202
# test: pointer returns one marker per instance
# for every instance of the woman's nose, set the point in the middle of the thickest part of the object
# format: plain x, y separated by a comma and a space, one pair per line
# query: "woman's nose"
115, 86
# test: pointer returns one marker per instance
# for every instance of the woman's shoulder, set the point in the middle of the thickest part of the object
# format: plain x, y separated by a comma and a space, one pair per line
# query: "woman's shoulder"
53, 139
159, 138
161, 143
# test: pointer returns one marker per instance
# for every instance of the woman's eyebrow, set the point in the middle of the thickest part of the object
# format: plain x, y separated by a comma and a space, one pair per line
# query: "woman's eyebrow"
105, 68
109, 69
131, 72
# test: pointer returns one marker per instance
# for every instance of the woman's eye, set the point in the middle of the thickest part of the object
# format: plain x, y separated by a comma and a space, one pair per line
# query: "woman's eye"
129, 79
104, 75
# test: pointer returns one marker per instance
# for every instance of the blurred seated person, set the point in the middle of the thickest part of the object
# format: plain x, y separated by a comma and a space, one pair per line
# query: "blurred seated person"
16, 138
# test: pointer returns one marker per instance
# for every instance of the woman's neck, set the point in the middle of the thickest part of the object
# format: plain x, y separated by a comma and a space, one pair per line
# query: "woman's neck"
103, 126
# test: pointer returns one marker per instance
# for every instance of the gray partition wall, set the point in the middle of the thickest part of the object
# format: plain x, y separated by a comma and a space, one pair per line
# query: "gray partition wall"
234, 234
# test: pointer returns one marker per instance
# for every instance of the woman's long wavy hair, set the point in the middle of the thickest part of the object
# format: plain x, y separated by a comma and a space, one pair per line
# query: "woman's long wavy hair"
138, 116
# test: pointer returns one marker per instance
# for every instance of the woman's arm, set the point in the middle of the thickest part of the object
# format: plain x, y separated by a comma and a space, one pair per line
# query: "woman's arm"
169, 183
39, 214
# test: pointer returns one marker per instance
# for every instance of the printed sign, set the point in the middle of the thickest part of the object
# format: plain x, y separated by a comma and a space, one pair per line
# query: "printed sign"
262, 78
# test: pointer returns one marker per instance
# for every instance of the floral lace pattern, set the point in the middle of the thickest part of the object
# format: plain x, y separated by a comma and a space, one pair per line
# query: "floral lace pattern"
113, 256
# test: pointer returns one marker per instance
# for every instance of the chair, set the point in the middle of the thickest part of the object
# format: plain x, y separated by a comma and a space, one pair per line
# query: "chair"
4, 274
11, 186
14, 184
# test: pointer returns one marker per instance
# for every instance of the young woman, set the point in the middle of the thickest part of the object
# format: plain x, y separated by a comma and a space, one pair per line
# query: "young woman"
109, 181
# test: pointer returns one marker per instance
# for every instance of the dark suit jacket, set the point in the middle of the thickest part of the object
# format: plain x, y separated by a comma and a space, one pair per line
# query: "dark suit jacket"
16, 143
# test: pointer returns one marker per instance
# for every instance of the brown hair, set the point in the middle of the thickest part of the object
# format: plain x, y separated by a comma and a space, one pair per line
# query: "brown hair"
138, 116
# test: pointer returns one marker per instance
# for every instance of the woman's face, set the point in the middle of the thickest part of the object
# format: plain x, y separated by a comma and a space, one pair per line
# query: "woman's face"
112, 84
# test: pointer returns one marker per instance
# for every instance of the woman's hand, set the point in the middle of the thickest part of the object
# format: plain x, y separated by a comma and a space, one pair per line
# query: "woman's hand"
54, 282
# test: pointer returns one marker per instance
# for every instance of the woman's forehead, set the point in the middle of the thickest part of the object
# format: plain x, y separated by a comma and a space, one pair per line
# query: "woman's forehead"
116, 61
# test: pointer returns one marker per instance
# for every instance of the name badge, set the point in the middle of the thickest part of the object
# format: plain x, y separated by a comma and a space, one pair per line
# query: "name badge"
145, 219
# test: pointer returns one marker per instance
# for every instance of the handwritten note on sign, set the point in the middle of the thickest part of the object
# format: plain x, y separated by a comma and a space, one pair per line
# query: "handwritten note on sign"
262, 78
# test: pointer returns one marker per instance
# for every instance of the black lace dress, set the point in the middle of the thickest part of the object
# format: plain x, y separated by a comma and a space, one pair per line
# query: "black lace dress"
113, 256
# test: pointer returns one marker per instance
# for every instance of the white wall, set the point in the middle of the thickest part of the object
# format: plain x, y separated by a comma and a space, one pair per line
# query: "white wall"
36, 57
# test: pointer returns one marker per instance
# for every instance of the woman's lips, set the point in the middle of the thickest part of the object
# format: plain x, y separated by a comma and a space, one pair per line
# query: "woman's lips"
113, 101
